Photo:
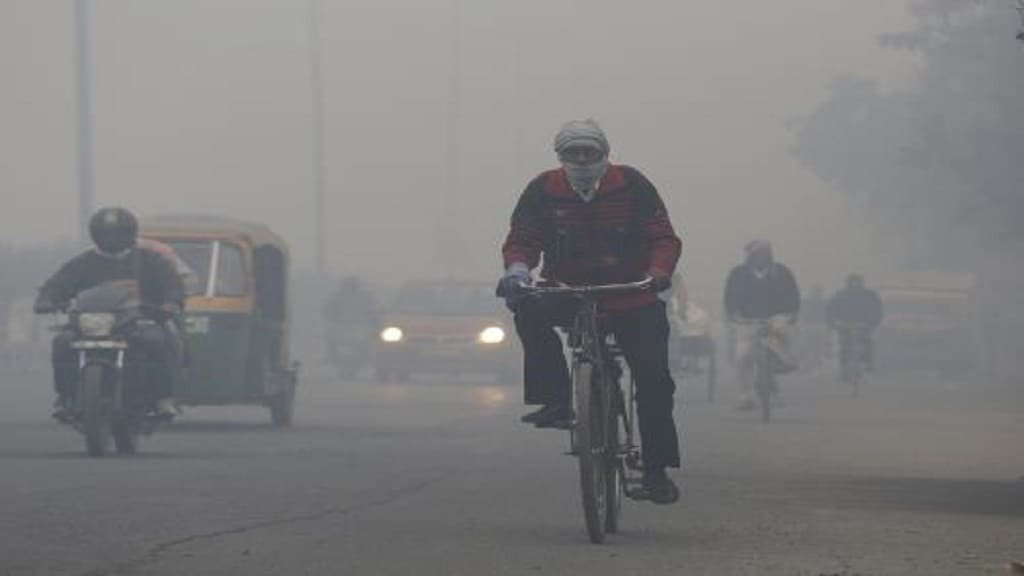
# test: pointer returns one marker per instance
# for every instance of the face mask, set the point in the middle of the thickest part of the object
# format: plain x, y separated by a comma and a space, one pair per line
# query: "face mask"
114, 255
586, 178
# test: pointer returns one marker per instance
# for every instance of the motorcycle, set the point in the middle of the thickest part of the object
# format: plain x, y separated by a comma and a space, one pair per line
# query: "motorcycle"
110, 401
350, 348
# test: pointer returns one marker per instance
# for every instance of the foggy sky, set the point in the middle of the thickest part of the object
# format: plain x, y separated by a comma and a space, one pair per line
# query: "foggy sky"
204, 105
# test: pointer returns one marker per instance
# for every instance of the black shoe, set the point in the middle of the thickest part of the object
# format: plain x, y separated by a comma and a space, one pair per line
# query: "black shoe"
62, 410
554, 416
531, 417
659, 488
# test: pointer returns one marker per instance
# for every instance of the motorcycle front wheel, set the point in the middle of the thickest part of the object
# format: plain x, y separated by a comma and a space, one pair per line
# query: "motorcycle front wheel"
95, 410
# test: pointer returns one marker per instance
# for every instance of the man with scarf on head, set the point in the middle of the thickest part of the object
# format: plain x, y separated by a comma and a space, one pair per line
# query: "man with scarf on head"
596, 223
761, 289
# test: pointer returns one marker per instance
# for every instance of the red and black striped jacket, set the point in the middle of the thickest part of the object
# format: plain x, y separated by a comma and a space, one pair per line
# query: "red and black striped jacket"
622, 235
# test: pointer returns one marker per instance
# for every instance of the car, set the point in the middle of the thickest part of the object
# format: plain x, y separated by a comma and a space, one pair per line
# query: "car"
447, 327
926, 324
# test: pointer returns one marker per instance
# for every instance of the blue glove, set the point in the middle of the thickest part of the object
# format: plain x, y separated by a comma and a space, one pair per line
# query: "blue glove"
510, 287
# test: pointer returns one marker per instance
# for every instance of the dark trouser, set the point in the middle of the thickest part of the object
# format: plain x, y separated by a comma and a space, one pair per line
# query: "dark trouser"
154, 348
642, 334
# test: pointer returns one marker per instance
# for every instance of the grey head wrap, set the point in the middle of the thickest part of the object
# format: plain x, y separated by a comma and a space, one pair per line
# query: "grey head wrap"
583, 178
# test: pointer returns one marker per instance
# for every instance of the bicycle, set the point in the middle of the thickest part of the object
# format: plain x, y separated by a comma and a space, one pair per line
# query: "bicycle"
853, 363
602, 432
765, 364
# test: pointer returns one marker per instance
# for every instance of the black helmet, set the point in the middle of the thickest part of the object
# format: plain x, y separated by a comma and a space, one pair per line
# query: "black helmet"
114, 230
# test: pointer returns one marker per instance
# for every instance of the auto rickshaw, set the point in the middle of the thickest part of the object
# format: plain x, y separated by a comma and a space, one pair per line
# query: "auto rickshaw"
236, 316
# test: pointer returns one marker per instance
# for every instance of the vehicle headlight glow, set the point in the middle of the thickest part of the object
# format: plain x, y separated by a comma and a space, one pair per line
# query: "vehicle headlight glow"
492, 335
392, 334
96, 324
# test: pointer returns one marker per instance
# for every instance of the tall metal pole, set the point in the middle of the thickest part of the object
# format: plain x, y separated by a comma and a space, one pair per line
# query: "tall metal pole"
83, 169
1020, 11
448, 221
317, 143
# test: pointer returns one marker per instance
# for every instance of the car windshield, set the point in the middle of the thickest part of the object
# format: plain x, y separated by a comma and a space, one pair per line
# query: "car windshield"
109, 297
446, 300
229, 278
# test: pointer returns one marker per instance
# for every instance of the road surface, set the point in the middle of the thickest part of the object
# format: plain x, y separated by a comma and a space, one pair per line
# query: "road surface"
435, 477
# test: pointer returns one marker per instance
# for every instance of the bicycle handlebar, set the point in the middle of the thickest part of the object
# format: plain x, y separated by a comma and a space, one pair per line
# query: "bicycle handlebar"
759, 321
594, 290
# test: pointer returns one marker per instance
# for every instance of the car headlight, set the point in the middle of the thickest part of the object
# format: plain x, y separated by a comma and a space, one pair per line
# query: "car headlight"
392, 334
96, 324
492, 335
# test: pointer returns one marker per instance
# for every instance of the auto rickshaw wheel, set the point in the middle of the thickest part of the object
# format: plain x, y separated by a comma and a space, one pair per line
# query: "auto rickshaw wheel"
282, 406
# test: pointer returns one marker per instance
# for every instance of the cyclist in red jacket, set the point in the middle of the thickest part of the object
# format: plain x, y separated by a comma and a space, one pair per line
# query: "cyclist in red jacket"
596, 223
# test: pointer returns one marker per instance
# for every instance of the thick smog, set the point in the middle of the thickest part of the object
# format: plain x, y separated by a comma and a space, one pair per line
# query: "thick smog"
458, 287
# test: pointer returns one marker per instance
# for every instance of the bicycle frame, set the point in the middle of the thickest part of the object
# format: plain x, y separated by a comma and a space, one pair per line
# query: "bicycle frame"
604, 460
764, 383
599, 353
854, 336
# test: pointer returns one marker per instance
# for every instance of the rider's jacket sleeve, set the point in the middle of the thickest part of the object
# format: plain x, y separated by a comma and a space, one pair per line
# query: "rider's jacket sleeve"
171, 286
876, 309
790, 291
731, 299
525, 240
65, 283
665, 245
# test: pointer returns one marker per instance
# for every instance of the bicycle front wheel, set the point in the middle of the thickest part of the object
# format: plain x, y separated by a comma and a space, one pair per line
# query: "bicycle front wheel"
764, 387
615, 474
590, 450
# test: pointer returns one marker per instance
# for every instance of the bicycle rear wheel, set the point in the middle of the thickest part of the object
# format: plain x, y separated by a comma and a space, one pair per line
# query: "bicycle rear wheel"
590, 450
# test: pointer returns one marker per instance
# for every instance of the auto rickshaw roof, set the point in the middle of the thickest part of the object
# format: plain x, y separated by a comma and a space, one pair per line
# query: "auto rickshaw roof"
212, 226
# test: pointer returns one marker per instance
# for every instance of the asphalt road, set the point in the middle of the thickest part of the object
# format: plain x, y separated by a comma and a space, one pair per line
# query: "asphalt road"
440, 478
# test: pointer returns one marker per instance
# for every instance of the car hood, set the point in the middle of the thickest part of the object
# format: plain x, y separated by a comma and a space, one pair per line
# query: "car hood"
448, 326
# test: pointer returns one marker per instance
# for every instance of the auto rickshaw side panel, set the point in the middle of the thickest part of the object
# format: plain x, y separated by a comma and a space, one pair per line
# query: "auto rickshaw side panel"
237, 333
219, 341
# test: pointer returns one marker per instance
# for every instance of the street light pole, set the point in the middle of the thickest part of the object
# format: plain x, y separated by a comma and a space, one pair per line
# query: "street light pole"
447, 224
317, 143
83, 168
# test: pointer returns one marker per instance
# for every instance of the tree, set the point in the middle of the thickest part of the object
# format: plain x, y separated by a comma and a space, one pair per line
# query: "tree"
941, 164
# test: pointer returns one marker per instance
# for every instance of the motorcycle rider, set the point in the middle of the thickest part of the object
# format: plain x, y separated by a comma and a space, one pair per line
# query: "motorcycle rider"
761, 289
351, 303
351, 308
116, 256
594, 223
854, 304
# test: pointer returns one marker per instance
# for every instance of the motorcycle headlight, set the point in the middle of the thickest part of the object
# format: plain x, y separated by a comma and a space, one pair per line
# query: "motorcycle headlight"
94, 324
392, 335
492, 335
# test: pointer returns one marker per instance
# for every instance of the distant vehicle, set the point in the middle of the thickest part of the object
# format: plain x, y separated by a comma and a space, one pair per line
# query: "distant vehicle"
926, 324
236, 316
447, 327
692, 348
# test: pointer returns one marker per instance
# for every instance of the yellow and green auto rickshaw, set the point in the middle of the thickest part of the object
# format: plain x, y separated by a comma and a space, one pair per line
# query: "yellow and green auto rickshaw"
236, 316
